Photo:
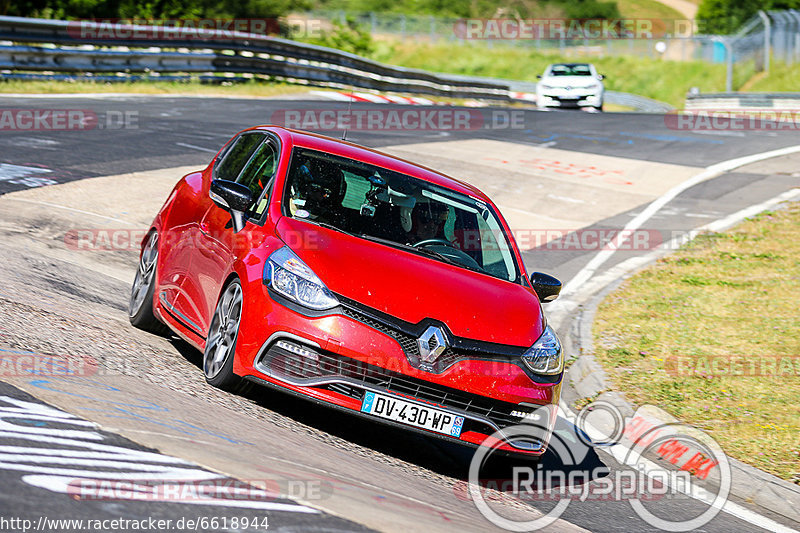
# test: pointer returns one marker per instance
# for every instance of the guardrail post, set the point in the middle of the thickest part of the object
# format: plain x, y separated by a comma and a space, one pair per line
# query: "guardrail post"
796, 45
767, 38
728, 45
729, 68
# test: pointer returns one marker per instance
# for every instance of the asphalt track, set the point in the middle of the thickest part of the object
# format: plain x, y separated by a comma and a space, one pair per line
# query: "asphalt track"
171, 132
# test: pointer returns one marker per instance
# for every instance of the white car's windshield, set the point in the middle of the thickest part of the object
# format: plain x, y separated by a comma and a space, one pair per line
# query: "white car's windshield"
570, 70
397, 210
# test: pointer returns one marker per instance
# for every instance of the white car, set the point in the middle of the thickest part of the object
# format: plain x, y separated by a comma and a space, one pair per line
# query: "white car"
570, 85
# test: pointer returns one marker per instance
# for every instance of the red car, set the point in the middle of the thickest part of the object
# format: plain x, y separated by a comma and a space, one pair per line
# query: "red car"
357, 279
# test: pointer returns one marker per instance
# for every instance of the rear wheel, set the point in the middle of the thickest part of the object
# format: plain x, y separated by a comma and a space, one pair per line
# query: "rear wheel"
140, 306
221, 341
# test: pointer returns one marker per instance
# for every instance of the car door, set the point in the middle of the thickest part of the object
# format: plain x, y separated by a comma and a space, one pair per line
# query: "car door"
217, 244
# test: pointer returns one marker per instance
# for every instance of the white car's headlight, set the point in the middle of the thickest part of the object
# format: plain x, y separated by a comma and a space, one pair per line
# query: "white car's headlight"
286, 273
547, 87
545, 356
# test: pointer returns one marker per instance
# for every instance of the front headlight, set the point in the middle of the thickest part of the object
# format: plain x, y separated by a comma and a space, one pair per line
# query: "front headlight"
547, 87
286, 273
545, 356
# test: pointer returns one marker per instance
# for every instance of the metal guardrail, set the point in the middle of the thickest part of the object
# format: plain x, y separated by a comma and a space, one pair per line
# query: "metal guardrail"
751, 101
214, 51
639, 103
57, 48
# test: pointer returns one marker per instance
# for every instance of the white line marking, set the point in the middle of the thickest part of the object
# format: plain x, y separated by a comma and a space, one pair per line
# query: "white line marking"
566, 199
197, 148
107, 462
48, 204
598, 260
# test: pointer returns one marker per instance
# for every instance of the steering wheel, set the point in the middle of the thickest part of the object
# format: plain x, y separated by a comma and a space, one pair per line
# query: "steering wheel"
428, 242
453, 252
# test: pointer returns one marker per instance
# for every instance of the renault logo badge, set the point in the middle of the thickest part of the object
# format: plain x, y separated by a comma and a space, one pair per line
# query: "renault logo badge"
432, 344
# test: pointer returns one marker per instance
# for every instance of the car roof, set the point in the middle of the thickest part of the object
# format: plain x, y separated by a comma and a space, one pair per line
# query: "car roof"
350, 150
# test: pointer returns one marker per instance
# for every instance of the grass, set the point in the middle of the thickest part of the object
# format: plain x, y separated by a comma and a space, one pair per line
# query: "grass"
638, 75
730, 294
781, 78
248, 88
647, 9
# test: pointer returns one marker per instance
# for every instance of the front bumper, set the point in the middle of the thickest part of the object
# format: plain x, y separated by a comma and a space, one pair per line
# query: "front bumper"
339, 358
569, 99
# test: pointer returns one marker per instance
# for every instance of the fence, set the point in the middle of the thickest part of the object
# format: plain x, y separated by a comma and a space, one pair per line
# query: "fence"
681, 44
770, 34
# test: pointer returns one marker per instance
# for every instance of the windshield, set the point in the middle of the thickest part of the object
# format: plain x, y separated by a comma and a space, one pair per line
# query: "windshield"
397, 210
570, 70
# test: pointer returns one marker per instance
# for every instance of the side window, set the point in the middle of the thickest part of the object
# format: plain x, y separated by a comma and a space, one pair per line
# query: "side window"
258, 175
237, 156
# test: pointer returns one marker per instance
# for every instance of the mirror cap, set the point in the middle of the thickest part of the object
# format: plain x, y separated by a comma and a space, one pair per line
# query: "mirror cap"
546, 286
231, 195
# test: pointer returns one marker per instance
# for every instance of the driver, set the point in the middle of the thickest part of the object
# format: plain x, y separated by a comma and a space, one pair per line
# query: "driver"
324, 189
427, 222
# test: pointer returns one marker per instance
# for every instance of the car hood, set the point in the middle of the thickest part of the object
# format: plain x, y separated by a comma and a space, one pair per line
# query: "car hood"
576, 82
412, 287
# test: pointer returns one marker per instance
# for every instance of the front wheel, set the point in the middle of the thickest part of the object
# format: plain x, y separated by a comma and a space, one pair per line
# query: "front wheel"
140, 306
221, 341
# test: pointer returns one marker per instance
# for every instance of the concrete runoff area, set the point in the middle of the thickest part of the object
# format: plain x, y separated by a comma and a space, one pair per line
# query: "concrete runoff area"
33, 225
540, 188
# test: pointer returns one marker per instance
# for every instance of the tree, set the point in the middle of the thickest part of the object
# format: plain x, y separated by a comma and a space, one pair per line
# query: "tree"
727, 16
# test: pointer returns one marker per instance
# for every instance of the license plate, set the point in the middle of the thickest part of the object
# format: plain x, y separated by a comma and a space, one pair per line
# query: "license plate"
412, 414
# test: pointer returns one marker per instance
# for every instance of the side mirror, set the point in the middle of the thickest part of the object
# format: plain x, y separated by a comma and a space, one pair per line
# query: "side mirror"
539, 76
601, 77
546, 286
234, 198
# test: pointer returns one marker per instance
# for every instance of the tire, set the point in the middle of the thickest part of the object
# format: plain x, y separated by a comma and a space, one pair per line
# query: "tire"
221, 341
140, 305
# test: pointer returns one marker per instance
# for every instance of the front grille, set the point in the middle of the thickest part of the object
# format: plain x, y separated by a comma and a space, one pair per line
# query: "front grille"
406, 341
318, 366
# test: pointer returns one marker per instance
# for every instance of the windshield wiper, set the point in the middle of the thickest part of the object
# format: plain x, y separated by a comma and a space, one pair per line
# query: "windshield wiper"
328, 225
